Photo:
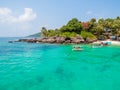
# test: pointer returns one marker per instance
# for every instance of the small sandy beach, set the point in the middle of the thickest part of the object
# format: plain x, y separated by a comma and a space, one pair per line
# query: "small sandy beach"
115, 42
112, 42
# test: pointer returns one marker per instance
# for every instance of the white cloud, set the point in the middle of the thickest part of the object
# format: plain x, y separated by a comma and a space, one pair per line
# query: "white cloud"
5, 11
28, 15
6, 15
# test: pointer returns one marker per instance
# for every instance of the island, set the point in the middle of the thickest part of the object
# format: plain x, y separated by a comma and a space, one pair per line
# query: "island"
76, 31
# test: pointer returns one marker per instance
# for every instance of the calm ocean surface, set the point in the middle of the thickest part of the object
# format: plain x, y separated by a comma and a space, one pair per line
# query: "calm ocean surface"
25, 66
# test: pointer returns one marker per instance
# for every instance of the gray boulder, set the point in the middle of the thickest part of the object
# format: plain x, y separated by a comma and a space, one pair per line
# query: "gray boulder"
60, 39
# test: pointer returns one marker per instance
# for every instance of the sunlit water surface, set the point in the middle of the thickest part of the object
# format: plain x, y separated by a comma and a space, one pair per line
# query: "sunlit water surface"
26, 66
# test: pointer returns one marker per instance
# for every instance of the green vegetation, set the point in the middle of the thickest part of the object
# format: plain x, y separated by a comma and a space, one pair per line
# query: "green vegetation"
87, 35
100, 29
72, 26
68, 34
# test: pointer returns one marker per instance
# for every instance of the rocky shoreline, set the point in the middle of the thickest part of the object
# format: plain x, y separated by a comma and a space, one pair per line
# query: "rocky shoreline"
59, 40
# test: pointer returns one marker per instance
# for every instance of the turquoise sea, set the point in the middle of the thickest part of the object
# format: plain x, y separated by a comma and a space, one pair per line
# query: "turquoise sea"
26, 66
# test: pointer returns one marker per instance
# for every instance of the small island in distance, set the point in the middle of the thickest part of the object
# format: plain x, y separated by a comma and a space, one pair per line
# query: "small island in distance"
37, 35
76, 31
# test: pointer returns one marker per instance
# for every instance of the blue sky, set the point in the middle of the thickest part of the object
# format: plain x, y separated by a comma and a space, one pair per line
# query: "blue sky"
26, 17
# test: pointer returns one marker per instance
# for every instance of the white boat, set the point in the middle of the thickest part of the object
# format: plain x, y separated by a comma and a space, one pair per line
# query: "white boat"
77, 48
106, 43
97, 45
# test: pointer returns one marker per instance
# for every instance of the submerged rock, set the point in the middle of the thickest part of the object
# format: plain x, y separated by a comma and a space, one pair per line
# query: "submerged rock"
10, 41
59, 70
40, 79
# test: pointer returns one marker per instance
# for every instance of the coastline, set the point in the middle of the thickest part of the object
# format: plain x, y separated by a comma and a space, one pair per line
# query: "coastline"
61, 40
58, 39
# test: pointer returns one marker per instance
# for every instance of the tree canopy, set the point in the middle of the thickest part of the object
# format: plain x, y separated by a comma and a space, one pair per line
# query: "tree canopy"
94, 28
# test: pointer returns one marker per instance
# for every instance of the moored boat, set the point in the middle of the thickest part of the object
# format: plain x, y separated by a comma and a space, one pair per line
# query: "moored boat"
77, 48
106, 43
96, 45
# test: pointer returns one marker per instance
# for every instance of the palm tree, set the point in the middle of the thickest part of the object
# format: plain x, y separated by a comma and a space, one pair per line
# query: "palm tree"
44, 32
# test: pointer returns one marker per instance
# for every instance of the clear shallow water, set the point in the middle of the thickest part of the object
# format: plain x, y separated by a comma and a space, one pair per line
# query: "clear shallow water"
26, 66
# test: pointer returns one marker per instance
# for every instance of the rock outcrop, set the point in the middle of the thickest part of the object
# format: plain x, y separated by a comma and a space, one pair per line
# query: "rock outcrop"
58, 39
88, 40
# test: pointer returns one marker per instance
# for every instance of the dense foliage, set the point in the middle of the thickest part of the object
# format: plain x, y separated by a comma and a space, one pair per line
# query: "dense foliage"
87, 35
101, 29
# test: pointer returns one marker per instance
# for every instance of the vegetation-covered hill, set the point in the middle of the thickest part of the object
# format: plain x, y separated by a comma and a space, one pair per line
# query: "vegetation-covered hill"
100, 29
35, 35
